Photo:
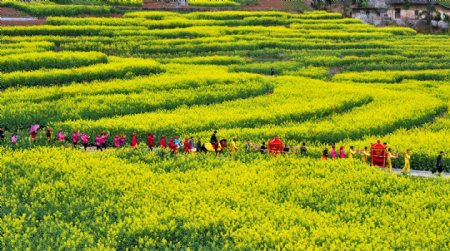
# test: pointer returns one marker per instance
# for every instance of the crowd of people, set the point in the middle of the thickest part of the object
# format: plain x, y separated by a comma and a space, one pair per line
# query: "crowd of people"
189, 145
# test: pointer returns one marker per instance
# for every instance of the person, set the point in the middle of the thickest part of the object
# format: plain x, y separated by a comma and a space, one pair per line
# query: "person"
33, 135
105, 137
134, 140
439, 164
286, 149
98, 142
199, 145
75, 136
191, 142
214, 142
233, 146
248, 146
333, 152
187, 147
173, 147
84, 140
176, 141
351, 153
342, 152
61, 136
325, 154
122, 139
2, 134
117, 142
263, 148
365, 155
386, 155
272, 71
33, 132
389, 158
14, 138
407, 166
150, 140
49, 134
303, 149
163, 142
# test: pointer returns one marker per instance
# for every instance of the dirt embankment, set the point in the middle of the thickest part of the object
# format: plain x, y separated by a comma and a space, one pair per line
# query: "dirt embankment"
10, 16
289, 5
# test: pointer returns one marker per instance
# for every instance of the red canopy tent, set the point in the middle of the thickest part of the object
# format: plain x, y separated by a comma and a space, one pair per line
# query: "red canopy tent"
275, 146
378, 154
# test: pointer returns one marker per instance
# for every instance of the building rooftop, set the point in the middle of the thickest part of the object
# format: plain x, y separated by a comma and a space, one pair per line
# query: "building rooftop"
409, 1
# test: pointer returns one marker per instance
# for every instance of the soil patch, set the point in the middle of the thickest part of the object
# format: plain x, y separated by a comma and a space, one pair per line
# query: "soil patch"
12, 22
10, 12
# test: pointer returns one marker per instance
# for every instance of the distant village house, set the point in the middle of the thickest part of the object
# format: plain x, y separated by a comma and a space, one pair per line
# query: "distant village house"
379, 12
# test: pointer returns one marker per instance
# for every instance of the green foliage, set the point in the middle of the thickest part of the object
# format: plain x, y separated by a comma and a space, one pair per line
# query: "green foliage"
46, 9
133, 3
119, 69
62, 60
63, 198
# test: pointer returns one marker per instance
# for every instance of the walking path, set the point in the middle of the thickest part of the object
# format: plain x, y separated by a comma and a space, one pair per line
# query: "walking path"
18, 19
21, 21
420, 173
415, 173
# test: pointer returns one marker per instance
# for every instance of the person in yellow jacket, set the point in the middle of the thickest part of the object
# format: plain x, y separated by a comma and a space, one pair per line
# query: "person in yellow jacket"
233, 146
407, 166
351, 153
365, 155
389, 158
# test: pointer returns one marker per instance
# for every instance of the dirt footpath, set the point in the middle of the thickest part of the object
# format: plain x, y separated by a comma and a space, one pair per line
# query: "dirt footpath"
266, 5
9, 16
261, 5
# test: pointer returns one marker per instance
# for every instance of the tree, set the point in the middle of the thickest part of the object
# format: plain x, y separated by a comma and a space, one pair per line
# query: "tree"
429, 12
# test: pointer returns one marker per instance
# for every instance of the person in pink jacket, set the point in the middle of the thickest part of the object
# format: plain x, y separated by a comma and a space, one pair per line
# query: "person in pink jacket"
14, 138
84, 140
333, 152
75, 136
122, 139
104, 139
342, 152
117, 141
98, 142
61, 136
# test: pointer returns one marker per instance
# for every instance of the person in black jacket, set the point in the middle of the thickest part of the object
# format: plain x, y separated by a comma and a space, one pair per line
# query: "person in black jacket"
303, 149
439, 164
263, 148
2, 134
214, 142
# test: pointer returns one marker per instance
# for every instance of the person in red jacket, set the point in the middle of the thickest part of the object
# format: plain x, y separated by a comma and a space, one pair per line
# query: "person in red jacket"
163, 142
150, 141
33, 136
134, 140
187, 146
173, 147
49, 134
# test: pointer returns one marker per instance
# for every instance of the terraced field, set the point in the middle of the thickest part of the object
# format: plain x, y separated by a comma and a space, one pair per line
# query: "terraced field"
316, 78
